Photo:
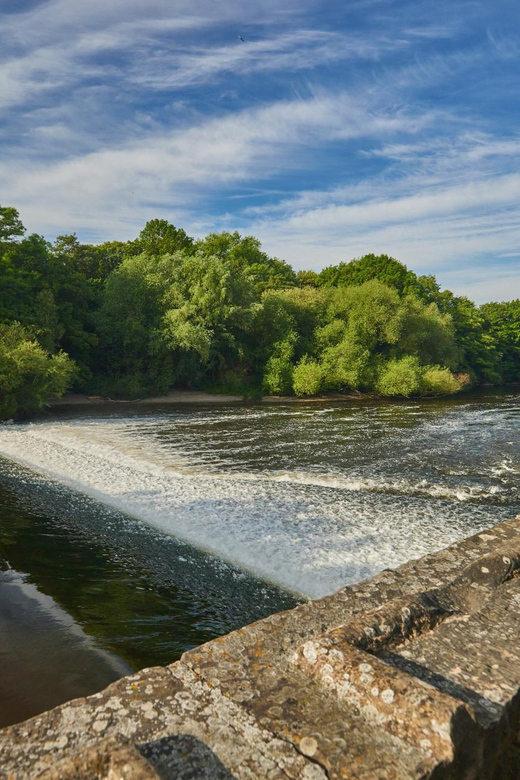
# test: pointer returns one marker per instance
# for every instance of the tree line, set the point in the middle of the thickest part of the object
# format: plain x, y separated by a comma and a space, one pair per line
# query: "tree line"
132, 318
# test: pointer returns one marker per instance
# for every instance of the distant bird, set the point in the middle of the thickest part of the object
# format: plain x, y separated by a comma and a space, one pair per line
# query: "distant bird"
243, 41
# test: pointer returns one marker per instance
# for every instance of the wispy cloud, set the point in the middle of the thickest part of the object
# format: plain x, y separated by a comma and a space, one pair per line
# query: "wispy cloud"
332, 131
300, 50
170, 168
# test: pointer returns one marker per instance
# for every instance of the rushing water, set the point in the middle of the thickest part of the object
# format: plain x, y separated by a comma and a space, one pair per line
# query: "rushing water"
157, 529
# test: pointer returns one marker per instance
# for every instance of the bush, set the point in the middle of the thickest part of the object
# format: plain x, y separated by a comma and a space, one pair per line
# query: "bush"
29, 376
400, 377
277, 376
278, 372
307, 377
440, 381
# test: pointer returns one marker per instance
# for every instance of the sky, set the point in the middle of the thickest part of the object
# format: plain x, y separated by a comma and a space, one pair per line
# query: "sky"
333, 129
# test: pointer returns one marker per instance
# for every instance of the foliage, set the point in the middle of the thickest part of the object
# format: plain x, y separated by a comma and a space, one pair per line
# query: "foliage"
278, 374
243, 254
436, 380
502, 328
400, 376
164, 310
383, 268
170, 320
10, 224
29, 376
307, 377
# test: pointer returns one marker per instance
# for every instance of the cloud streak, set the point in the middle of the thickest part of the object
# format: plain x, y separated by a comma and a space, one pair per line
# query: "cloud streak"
329, 133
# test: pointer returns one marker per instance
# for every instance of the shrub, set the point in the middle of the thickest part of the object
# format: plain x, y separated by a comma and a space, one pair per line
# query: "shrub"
400, 377
307, 377
440, 381
29, 376
278, 372
277, 376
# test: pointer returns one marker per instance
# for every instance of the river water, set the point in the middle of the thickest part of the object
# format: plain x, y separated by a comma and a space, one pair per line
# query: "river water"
155, 529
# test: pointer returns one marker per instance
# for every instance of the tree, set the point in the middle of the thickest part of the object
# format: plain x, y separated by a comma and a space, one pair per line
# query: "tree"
308, 278
400, 376
160, 237
244, 254
501, 326
383, 268
478, 354
173, 319
29, 376
11, 226
278, 372
307, 377
93, 262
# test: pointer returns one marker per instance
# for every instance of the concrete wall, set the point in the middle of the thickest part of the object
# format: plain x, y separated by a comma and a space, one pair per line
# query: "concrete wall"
412, 674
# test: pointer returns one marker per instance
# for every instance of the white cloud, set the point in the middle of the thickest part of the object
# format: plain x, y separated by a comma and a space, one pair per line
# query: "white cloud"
455, 208
175, 168
299, 50
55, 45
116, 118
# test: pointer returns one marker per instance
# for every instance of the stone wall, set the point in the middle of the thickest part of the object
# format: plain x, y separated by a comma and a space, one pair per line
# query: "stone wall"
412, 674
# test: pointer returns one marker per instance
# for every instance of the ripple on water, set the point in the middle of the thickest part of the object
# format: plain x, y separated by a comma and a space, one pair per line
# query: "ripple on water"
310, 499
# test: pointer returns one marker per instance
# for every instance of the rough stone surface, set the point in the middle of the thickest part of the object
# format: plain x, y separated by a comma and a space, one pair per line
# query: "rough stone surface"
412, 674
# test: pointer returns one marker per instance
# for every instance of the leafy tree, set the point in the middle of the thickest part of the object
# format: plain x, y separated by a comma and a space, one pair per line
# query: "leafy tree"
478, 354
29, 376
308, 278
436, 380
244, 255
93, 262
383, 268
160, 237
426, 333
11, 226
502, 328
278, 373
44, 293
161, 315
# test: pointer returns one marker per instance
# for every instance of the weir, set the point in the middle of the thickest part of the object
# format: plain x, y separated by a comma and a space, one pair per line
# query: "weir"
414, 673
350, 503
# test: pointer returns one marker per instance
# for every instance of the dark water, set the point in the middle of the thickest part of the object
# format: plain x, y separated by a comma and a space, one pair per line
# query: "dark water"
309, 496
88, 595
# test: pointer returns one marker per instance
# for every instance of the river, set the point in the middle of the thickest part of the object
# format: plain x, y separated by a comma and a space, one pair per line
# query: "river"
131, 533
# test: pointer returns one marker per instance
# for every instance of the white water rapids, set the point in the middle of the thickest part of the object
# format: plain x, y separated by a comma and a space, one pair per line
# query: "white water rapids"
240, 484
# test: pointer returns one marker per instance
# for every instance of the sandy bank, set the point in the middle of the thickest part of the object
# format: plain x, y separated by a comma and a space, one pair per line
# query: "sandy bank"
197, 397
173, 397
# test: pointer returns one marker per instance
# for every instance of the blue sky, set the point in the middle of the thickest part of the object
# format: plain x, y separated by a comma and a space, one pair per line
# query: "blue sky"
334, 130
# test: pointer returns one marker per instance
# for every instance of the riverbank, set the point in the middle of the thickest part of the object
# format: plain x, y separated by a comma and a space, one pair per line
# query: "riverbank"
200, 397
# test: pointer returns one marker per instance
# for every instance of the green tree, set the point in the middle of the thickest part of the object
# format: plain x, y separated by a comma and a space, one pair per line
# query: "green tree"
308, 278
244, 254
11, 226
173, 320
29, 376
502, 329
383, 268
93, 262
160, 237
278, 373
478, 354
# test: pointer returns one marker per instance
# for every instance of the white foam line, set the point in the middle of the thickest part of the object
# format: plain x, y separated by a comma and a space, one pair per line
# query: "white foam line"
285, 533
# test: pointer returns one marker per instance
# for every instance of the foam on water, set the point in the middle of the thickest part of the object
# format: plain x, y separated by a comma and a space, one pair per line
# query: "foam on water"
309, 529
